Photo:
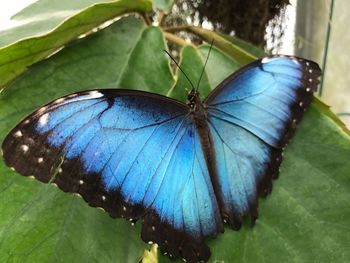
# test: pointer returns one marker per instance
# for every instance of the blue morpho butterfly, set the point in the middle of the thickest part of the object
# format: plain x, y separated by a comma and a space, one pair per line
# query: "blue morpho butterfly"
184, 169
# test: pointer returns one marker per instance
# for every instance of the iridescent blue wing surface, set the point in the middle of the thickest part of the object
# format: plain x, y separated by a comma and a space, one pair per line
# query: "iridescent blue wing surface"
251, 116
135, 154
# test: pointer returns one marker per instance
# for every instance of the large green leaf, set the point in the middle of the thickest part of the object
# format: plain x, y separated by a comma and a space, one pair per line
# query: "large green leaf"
38, 223
41, 17
44, 38
305, 218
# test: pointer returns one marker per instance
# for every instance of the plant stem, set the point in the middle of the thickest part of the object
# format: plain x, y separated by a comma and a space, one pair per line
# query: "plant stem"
146, 19
175, 39
161, 18
343, 114
176, 28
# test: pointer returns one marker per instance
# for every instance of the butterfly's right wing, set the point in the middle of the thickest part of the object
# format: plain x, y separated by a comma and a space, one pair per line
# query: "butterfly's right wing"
252, 115
135, 154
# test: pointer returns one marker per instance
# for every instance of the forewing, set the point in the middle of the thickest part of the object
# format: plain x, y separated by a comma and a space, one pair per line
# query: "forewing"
135, 154
267, 97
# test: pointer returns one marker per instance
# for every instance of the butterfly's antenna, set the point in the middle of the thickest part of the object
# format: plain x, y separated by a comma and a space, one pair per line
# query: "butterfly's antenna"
179, 68
205, 64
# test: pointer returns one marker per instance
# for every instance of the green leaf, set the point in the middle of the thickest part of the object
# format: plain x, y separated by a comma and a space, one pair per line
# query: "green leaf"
16, 58
41, 17
39, 223
164, 5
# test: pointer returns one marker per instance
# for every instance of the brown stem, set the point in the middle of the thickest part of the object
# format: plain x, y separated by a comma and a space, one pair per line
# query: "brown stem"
146, 19
161, 18
172, 29
175, 39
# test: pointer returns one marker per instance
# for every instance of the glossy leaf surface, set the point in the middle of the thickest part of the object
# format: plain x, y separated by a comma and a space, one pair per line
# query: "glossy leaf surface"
52, 28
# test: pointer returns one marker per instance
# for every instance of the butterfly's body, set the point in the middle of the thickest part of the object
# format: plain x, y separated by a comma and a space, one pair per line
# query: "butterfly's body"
184, 169
200, 118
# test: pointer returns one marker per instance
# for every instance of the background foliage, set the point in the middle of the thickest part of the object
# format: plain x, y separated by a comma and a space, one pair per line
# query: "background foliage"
305, 218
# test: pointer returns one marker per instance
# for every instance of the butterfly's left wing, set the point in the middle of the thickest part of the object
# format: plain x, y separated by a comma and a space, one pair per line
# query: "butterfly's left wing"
252, 115
135, 154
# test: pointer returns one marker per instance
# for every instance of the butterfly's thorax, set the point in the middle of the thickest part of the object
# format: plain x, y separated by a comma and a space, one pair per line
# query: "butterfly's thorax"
198, 111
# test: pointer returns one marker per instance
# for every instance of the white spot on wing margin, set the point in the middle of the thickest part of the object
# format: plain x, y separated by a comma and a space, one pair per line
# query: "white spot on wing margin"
43, 119
95, 94
18, 133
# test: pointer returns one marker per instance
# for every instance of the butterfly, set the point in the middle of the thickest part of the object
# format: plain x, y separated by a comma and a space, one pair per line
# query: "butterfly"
185, 170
